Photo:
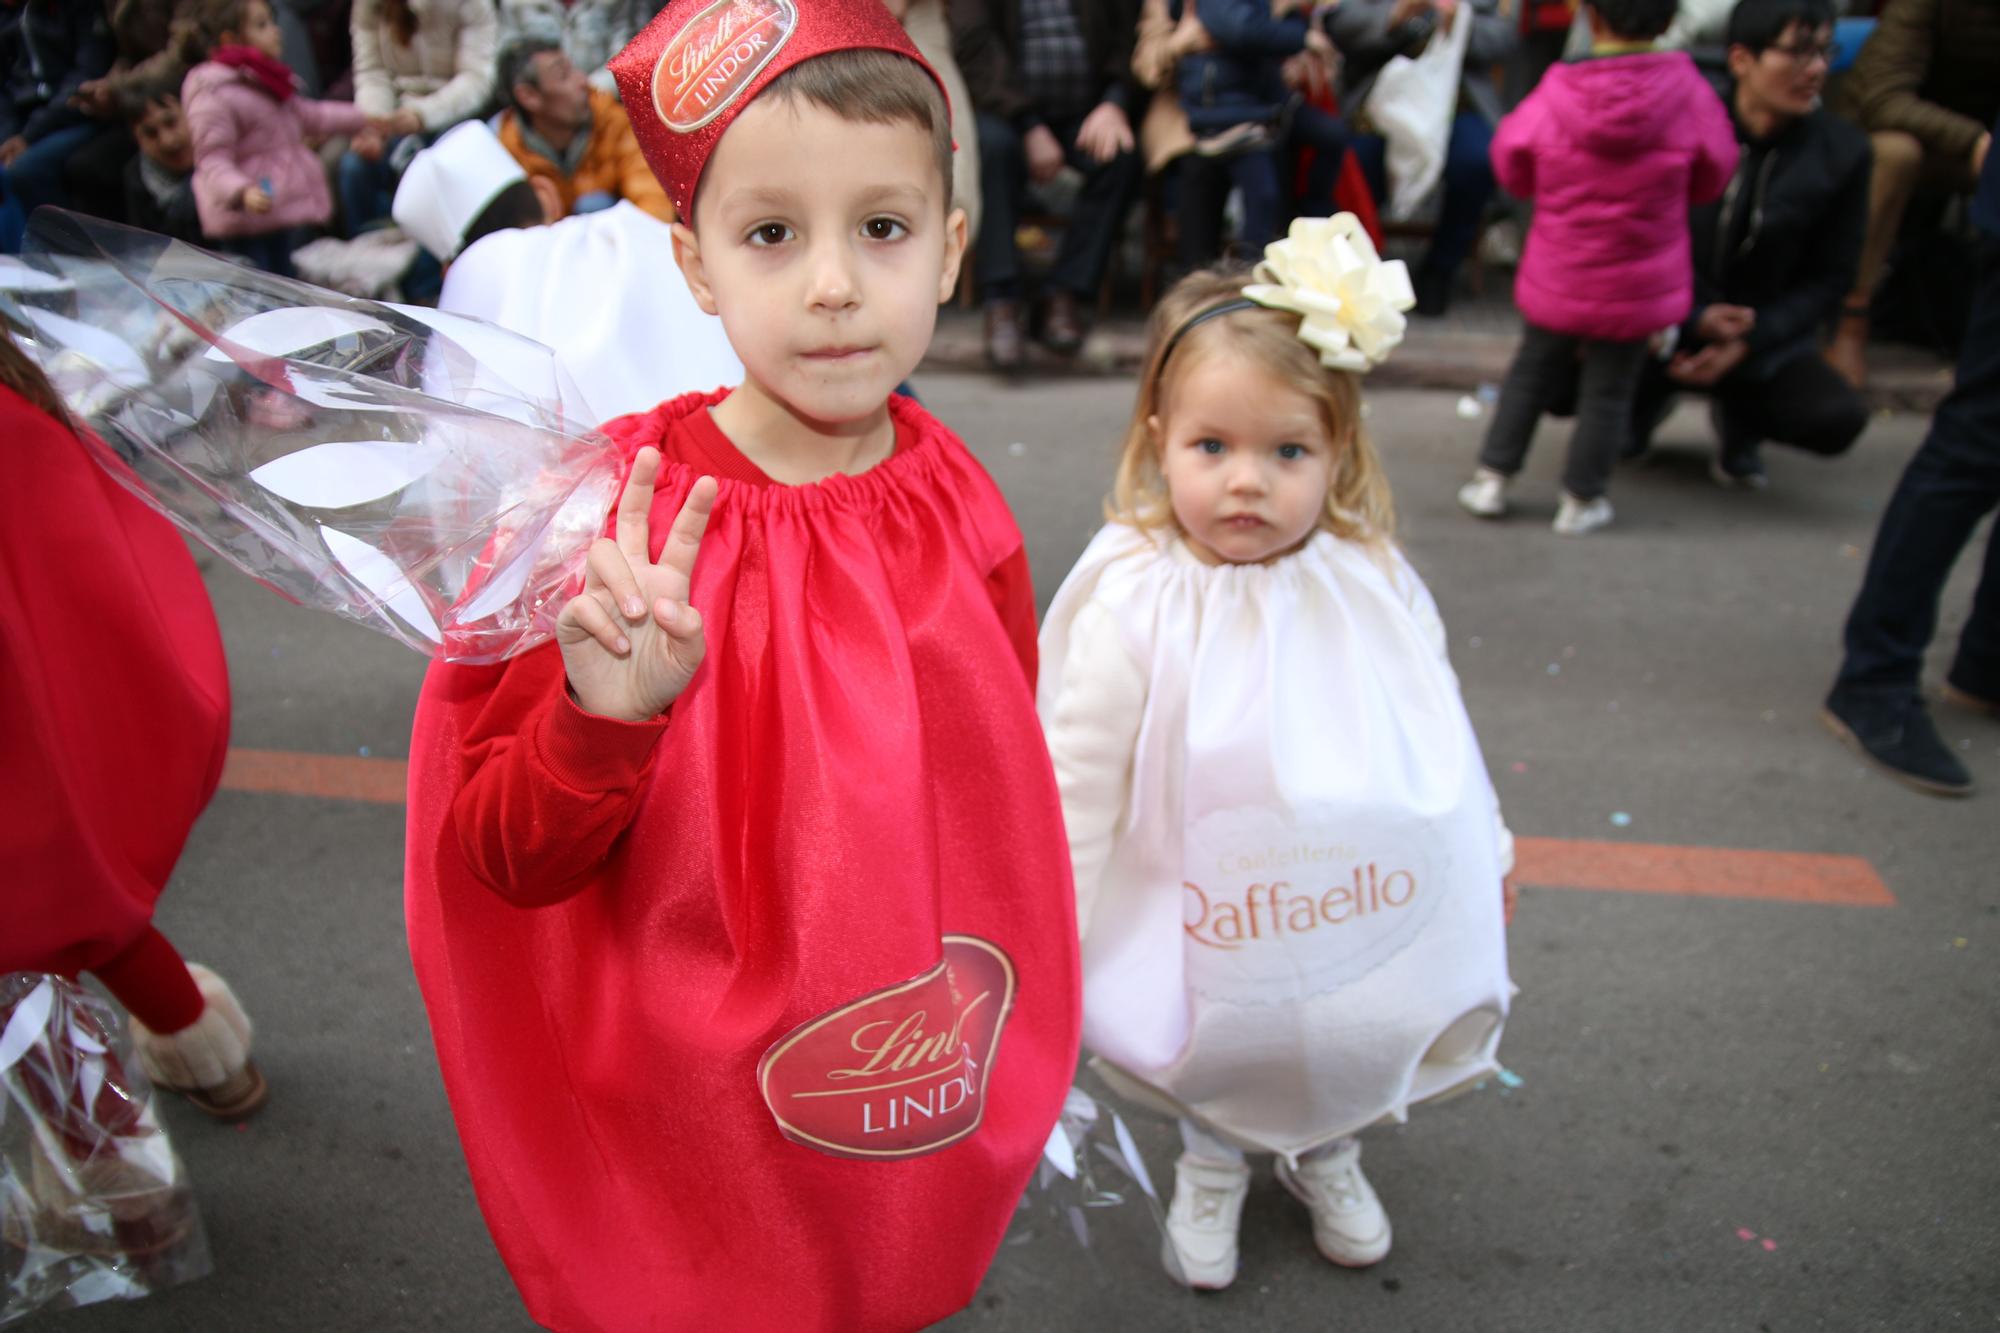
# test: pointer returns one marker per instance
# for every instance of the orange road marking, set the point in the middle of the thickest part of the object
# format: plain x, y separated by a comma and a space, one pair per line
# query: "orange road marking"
1552, 863
1700, 872
335, 776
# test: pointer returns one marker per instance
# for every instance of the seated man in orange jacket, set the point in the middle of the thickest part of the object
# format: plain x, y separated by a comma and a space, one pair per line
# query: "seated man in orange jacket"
562, 130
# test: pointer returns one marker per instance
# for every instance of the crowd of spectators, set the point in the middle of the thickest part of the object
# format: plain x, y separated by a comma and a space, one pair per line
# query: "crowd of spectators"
1228, 117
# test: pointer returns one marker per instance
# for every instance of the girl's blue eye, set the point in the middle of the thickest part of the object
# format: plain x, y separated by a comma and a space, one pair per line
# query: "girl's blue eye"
770, 233
1290, 451
883, 229
1209, 446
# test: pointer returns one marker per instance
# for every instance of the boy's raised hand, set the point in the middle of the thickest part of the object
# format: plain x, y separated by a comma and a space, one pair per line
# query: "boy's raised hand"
630, 641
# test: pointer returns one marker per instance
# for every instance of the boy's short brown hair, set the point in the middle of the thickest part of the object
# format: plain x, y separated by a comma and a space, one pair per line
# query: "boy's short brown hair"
877, 88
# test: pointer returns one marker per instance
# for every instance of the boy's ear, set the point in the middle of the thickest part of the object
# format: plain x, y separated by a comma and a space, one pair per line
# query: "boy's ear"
687, 253
955, 233
1153, 430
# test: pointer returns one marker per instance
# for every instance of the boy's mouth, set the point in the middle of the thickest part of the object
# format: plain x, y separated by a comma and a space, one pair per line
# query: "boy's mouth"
837, 353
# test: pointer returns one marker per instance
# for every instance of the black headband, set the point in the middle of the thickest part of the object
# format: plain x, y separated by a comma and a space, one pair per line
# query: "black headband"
1198, 317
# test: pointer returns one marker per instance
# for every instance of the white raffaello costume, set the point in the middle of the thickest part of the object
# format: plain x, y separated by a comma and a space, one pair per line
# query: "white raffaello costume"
1288, 854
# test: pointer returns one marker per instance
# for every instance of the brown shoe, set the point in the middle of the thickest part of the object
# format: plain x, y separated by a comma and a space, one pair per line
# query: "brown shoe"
1062, 329
1970, 702
1005, 348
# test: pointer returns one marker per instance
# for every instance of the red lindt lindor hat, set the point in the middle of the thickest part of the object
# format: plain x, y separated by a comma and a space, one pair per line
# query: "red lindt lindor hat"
690, 71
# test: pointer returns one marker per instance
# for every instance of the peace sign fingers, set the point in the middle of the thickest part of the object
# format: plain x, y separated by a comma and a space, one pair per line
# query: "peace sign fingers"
683, 542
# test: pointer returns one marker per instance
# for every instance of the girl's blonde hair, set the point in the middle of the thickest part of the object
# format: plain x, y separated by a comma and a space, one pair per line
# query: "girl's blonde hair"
1358, 505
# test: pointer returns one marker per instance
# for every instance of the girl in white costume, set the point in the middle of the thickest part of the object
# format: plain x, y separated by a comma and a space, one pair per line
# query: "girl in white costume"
1289, 861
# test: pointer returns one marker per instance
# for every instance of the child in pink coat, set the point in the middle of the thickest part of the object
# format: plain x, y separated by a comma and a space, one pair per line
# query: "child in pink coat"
1613, 150
255, 180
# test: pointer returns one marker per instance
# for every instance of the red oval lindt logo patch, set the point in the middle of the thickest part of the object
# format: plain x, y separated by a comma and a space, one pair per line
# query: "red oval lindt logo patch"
902, 1071
716, 56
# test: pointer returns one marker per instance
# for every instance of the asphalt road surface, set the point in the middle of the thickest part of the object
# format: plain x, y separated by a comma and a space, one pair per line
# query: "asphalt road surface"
1756, 1083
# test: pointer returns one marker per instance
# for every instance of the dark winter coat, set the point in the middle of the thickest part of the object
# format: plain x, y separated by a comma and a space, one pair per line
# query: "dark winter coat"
1785, 238
986, 42
1242, 79
48, 49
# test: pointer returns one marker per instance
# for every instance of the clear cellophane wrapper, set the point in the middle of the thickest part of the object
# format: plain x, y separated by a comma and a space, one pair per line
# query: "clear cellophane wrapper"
1091, 1214
427, 475
94, 1203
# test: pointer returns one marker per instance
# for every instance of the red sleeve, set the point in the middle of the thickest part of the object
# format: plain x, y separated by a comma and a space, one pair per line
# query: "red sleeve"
1013, 589
548, 787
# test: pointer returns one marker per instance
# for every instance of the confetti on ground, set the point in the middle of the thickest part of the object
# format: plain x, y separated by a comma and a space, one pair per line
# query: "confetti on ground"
1469, 409
1768, 1243
1017, 448
1851, 552
1555, 668
1509, 1079
1520, 768
1620, 819
1476, 641
1569, 650
1487, 393
1745, 1233
1959, 943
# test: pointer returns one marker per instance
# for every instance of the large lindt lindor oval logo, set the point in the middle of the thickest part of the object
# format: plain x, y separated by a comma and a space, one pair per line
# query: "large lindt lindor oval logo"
716, 56
900, 1072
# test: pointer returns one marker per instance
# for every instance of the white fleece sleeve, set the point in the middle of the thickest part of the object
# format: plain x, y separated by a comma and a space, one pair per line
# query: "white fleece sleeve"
1092, 730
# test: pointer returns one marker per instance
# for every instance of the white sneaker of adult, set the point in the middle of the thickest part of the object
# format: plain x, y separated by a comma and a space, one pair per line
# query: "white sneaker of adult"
1575, 518
1349, 1226
1485, 496
1200, 1247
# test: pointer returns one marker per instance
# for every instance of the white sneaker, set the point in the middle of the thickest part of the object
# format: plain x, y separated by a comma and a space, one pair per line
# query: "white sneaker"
1349, 1226
1575, 517
1485, 495
1200, 1248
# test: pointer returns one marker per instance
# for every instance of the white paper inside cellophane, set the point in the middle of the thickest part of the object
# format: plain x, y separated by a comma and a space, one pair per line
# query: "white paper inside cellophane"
94, 1202
430, 476
1093, 1217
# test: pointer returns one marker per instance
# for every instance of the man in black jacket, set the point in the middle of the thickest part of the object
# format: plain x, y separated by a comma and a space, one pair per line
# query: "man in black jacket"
1952, 482
1774, 257
1051, 82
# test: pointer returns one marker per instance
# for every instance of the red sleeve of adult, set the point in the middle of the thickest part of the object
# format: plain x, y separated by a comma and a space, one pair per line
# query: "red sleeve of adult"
1013, 589
548, 787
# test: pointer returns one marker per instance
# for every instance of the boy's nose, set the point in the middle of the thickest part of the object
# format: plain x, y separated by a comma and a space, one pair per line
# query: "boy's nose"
833, 285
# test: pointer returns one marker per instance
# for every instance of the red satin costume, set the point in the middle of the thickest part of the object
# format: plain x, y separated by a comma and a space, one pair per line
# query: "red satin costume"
612, 922
114, 720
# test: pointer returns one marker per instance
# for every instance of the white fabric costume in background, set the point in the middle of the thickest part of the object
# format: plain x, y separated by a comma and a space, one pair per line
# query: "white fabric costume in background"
1287, 851
603, 290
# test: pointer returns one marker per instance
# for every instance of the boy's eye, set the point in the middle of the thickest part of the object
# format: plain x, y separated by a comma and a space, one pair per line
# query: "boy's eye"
770, 233
1290, 451
883, 229
1210, 446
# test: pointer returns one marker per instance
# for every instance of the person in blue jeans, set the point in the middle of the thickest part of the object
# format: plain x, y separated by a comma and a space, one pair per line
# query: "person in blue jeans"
48, 50
1371, 32
1951, 483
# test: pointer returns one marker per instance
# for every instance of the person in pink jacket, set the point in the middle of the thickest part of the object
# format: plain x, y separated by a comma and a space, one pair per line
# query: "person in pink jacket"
1612, 150
256, 182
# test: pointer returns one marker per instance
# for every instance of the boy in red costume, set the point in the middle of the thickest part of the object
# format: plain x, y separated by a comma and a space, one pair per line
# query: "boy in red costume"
743, 912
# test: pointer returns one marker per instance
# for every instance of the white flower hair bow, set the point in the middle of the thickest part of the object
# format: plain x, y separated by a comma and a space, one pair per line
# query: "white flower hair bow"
1349, 300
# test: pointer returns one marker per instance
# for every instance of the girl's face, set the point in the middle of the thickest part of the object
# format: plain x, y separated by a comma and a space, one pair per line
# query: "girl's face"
1246, 459
260, 30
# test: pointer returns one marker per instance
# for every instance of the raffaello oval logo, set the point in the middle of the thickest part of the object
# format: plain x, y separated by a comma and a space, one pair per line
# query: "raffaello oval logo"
1275, 909
716, 56
902, 1071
